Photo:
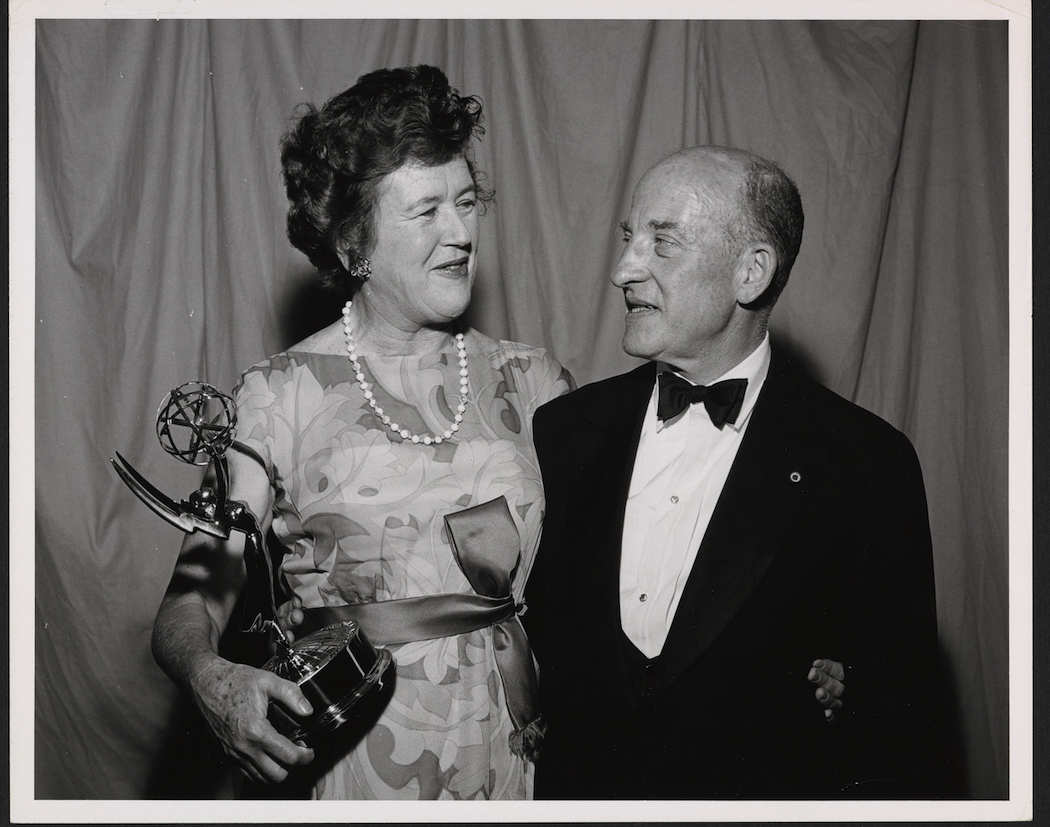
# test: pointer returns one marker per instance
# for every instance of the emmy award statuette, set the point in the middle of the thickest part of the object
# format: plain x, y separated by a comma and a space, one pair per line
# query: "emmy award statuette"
334, 666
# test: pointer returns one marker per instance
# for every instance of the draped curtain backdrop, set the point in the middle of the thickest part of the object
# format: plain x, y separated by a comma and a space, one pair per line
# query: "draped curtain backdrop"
161, 257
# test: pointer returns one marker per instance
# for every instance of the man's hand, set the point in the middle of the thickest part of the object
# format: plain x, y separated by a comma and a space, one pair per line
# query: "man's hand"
290, 616
234, 699
828, 675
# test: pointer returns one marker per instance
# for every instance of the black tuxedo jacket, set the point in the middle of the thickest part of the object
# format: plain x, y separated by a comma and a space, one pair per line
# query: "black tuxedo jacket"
819, 546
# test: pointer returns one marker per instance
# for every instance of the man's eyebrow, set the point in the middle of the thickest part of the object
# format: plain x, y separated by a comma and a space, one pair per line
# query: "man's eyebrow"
663, 225
654, 225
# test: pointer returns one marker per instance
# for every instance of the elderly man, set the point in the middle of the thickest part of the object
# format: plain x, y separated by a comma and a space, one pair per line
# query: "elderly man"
702, 545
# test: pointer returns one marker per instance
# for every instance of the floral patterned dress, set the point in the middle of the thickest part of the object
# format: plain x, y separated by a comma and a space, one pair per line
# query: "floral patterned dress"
360, 513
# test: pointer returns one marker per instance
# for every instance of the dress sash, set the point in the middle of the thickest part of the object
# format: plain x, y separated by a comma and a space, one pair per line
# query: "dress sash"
486, 547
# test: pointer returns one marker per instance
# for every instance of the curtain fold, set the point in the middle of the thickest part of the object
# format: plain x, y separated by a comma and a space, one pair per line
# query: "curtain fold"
162, 258
939, 341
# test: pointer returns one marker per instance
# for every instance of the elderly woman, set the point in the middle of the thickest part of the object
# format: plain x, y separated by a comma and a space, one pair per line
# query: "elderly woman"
366, 435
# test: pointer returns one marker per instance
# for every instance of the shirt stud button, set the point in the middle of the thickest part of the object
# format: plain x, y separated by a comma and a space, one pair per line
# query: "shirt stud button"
674, 499
642, 598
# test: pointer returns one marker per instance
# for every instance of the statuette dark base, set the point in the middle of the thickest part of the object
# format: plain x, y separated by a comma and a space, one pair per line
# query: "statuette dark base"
334, 667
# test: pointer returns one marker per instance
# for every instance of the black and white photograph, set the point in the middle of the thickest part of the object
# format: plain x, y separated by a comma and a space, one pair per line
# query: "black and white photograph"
616, 414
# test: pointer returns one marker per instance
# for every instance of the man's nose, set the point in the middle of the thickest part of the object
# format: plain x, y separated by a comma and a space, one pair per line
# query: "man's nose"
631, 268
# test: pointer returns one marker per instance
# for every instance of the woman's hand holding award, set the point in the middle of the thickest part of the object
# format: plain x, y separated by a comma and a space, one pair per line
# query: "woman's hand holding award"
334, 666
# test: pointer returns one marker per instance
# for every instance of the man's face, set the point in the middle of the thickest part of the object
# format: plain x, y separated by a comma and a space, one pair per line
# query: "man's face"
675, 270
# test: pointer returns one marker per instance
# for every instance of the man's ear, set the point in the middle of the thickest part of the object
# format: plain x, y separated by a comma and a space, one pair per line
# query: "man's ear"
755, 273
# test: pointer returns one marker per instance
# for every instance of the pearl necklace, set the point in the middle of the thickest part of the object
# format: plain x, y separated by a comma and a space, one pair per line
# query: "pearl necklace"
461, 350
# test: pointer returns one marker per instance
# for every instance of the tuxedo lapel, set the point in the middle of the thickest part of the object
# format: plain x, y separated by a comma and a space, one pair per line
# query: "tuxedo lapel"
776, 464
605, 443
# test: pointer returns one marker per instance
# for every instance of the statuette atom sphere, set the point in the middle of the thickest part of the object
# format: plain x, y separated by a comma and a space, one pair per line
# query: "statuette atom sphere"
195, 423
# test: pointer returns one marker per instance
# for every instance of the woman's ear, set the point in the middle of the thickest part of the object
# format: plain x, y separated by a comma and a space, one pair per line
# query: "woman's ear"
755, 273
342, 251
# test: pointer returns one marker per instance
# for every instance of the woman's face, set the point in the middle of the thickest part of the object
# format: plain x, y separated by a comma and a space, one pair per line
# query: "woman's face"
425, 251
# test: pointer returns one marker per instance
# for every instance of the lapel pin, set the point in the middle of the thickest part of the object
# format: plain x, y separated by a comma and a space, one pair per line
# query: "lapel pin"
795, 476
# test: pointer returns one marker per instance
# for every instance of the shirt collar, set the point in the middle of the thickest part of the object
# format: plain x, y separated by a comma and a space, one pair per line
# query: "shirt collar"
753, 368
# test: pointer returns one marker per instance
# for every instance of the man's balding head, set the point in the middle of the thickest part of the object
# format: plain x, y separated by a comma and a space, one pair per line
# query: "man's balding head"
761, 203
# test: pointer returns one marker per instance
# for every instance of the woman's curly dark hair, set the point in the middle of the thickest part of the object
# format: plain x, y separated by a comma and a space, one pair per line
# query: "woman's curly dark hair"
334, 158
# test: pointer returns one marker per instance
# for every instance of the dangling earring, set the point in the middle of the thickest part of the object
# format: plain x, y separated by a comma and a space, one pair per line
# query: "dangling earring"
361, 269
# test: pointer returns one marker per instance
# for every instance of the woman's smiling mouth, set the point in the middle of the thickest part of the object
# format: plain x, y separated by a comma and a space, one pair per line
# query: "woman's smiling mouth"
456, 268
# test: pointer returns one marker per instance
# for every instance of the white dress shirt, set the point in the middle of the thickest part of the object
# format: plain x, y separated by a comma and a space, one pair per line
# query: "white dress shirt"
679, 473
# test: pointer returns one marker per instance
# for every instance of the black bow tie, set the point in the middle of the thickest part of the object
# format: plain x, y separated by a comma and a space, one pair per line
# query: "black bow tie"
723, 400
